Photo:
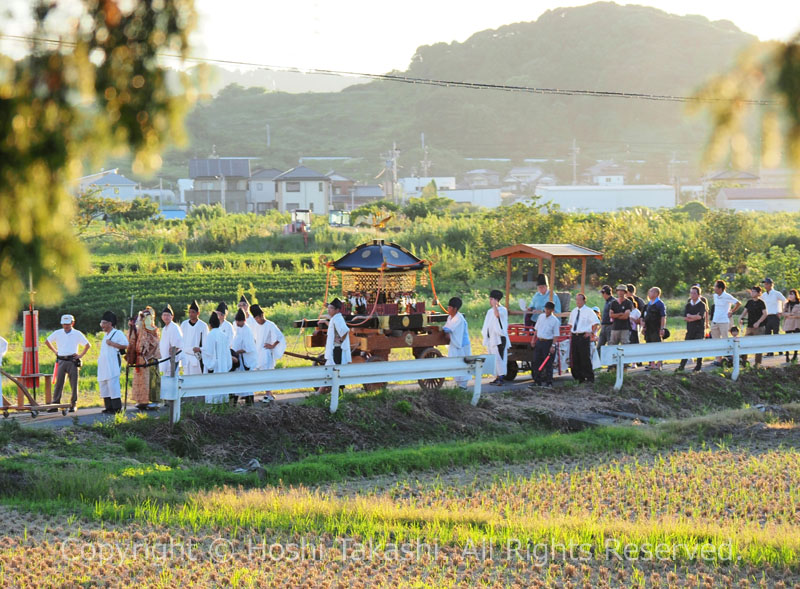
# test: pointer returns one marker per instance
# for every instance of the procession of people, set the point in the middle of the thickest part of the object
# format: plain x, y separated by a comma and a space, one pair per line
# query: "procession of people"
253, 342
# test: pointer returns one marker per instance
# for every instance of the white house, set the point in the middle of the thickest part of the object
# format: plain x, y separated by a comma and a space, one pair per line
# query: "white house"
262, 190
480, 197
758, 199
606, 173
602, 199
303, 188
523, 178
482, 178
109, 183
412, 186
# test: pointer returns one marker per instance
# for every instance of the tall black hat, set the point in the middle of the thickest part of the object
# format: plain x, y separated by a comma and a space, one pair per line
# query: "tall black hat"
256, 311
541, 280
455, 302
213, 321
222, 307
194, 306
168, 309
110, 317
336, 303
239, 315
243, 299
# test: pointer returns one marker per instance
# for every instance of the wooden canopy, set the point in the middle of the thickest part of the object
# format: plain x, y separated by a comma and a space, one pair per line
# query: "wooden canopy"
546, 251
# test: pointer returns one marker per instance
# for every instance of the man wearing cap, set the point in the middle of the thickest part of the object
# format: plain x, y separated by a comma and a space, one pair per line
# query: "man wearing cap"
540, 297
457, 331
68, 359
495, 335
216, 354
605, 317
194, 331
548, 328
244, 346
583, 326
270, 345
620, 311
171, 337
109, 363
774, 300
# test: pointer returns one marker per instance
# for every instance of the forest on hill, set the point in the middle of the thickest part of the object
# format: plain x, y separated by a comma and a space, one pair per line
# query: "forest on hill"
602, 46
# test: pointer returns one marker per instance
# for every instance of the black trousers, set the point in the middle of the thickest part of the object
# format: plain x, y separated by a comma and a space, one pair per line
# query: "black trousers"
581, 358
693, 333
540, 352
772, 325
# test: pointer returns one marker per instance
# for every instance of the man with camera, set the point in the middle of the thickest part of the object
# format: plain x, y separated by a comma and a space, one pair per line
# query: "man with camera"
67, 340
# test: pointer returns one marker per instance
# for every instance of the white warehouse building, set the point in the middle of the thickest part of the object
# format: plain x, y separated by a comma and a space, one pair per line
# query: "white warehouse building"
604, 199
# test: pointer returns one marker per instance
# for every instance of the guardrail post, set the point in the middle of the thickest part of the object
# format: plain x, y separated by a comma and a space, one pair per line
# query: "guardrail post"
335, 389
735, 373
620, 367
478, 375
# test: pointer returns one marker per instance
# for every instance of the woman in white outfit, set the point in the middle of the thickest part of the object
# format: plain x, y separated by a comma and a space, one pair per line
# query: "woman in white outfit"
495, 335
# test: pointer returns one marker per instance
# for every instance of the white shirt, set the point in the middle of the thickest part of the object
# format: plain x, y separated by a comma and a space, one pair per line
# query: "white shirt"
269, 334
338, 326
634, 319
456, 326
244, 340
217, 352
493, 329
67, 343
548, 327
228, 329
586, 319
774, 300
193, 337
171, 337
109, 361
722, 306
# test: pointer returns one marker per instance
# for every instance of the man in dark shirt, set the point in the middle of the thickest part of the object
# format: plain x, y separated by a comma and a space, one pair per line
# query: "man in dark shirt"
605, 320
620, 312
638, 304
695, 314
756, 311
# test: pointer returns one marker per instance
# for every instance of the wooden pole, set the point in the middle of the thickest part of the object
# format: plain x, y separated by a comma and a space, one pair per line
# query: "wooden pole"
583, 276
508, 282
552, 277
540, 266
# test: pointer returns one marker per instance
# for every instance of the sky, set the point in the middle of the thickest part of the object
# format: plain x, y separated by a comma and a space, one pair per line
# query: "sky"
376, 37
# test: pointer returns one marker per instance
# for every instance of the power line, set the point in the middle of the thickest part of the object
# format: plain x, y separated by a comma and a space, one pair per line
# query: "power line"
433, 82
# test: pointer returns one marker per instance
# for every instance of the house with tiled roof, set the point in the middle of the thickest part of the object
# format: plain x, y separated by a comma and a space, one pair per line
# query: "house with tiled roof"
303, 188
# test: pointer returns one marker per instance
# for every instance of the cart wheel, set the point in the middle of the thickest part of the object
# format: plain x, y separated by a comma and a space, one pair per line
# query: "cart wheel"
511, 370
34, 413
375, 386
5, 414
64, 412
431, 384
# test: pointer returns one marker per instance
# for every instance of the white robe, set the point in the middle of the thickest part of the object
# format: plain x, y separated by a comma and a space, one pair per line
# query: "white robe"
244, 340
251, 322
109, 364
269, 334
171, 337
338, 327
217, 358
229, 330
492, 332
193, 337
458, 330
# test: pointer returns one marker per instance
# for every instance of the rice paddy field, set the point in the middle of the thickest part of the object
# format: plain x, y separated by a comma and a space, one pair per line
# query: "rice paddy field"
710, 501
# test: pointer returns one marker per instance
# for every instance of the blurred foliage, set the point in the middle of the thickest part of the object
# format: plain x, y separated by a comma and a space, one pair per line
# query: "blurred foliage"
91, 206
768, 72
100, 91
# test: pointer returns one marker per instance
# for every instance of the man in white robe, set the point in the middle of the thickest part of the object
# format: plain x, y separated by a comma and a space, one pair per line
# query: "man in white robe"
171, 337
270, 345
244, 305
244, 346
337, 343
458, 331
495, 335
216, 354
194, 331
109, 363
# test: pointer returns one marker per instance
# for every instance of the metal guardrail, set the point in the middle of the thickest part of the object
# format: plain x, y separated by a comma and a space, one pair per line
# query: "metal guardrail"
175, 388
701, 348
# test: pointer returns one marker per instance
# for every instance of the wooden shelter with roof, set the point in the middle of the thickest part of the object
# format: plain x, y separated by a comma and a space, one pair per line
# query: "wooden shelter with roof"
551, 252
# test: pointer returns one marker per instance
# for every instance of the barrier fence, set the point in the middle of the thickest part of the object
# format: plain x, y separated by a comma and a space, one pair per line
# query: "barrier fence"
176, 388
705, 348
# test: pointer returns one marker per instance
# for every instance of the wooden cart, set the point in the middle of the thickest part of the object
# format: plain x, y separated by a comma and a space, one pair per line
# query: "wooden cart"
26, 401
520, 355
379, 282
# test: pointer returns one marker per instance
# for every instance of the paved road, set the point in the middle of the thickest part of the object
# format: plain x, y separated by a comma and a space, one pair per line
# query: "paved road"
87, 416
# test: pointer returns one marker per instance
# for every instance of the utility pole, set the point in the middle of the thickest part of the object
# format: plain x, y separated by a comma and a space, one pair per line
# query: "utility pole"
426, 162
268, 138
395, 155
574, 151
